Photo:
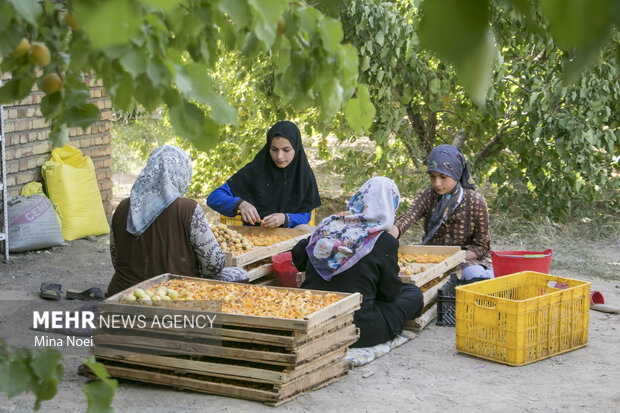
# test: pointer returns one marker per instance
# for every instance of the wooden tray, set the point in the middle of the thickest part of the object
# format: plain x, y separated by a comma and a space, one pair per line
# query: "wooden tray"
259, 272
260, 253
457, 256
347, 304
267, 393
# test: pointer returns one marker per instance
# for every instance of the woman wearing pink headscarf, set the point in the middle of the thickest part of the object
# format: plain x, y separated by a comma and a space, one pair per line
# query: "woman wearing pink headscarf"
353, 252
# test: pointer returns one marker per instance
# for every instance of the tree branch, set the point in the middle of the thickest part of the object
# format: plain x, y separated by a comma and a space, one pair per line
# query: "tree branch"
493, 145
459, 138
515, 83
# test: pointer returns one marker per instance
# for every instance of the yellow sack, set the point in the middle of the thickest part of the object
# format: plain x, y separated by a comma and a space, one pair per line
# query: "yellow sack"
72, 186
32, 188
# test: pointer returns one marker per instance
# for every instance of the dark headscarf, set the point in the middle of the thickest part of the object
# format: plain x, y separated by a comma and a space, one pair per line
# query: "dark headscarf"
448, 160
271, 189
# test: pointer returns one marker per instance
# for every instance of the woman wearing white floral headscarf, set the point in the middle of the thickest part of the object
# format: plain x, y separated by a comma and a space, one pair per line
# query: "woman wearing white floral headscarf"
157, 231
353, 252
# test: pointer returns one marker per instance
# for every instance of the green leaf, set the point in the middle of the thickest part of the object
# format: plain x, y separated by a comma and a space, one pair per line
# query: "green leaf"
15, 378
107, 23
99, 396
134, 62
82, 116
77, 95
578, 23
238, 10
51, 105
30, 10
331, 34
10, 38
16, 89
165, 5
360, 111
124, 92
266, 16
458, 31
100, 371
187, 120
148, 95
221, 111
476, 72
44, 363
453, 28
46, 390
6, 15
434, 86
208, 140
59, 134
194, 82
157, 72
331, 98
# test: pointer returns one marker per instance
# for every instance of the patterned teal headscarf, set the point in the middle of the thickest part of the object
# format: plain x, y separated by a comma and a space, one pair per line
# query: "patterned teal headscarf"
450, 161
341, 240
166, 177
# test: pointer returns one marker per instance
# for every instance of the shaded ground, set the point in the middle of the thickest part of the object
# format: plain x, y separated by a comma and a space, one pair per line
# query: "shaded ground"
426, 374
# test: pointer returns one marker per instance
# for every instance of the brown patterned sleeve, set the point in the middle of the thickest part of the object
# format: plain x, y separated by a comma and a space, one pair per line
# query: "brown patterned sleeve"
481, 236
418, 207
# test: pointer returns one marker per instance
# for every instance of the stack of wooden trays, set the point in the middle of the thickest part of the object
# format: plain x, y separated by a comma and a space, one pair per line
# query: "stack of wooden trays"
258, 261
430, 277
267, 359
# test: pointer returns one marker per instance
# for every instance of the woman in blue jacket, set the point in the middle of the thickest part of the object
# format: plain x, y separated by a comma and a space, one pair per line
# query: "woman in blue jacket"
276, 189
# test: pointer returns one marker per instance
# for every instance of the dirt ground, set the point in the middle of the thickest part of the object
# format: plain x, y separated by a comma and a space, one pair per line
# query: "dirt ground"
425, 374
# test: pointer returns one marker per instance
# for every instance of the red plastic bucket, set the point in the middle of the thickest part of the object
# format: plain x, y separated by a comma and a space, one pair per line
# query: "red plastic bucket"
286, 272
510, 262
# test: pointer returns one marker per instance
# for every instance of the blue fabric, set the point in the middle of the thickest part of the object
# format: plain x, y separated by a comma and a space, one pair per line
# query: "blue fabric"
222, 200
364, 355
450, 161
476, 271
299, 219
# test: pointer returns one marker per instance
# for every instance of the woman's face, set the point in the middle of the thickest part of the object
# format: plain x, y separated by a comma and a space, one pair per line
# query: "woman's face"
281, 151
441, 184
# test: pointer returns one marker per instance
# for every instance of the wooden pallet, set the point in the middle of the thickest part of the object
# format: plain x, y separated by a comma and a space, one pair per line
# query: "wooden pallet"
432, 271
260, 358
259, 253
416, 325
267, 393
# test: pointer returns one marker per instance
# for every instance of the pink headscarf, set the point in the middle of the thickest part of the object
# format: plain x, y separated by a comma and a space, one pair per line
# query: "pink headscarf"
341, 240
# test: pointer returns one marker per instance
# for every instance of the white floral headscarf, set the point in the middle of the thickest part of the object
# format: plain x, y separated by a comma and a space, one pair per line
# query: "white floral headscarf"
166, 177
341, 240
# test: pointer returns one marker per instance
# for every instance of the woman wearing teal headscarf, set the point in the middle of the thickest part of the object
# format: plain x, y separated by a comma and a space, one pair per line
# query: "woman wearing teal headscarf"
454, 213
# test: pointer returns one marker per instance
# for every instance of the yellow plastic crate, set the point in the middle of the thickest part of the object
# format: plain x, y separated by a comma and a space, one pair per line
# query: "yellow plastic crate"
237, 222
522, 318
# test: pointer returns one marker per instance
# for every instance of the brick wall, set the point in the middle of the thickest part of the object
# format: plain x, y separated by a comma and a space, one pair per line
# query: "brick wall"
28, 146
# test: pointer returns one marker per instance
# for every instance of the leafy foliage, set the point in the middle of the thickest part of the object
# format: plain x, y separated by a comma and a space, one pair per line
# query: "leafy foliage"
40, 371
153, 53
546, 146
23, 370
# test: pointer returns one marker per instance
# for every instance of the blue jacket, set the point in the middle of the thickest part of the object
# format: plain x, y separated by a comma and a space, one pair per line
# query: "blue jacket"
223, 201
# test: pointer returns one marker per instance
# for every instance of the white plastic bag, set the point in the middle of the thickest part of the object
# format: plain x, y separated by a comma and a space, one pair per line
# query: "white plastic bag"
32, 224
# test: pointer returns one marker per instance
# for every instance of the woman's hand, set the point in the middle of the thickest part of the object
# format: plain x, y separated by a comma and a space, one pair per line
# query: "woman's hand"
273, 220
248, 213
394, 231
